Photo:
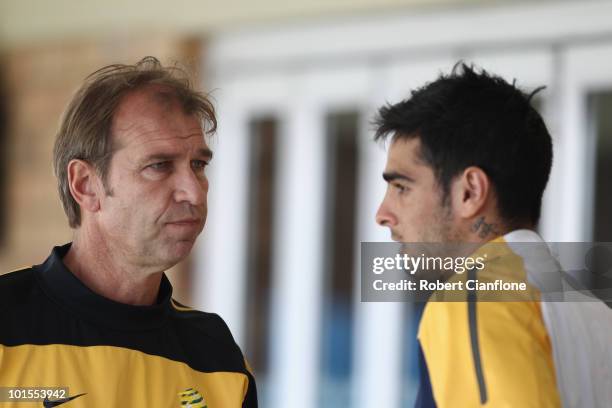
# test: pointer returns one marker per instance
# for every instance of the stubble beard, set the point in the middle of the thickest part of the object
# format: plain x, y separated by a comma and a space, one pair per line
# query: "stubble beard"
432, 242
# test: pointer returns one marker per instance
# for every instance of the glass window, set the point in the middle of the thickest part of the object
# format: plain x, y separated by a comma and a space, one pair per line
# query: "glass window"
337, 319
263, 137
601, 109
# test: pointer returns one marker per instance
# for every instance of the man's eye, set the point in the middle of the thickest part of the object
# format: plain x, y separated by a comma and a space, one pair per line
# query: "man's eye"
199, 164
400, 189
160, 166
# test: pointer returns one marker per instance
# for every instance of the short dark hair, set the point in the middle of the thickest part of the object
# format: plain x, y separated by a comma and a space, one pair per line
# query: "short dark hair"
473, 118
85, 131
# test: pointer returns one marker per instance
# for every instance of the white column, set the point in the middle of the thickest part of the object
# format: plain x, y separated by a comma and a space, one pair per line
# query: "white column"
298, 258
550, 227
220, 258
378, 348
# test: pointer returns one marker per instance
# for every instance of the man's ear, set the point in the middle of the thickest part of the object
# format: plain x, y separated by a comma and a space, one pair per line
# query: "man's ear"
470, 192
84, 185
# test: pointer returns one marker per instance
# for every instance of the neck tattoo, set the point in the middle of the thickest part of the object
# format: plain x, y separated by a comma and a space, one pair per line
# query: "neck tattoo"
484, 228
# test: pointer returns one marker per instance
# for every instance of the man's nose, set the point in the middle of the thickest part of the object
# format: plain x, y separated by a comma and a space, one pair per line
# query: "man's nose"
191, 188
384, 216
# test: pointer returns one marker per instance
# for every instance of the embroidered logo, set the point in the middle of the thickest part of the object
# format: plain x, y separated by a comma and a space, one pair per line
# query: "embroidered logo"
191, 398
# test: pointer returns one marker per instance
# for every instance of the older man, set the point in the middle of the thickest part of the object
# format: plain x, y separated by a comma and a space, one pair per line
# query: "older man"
97, 317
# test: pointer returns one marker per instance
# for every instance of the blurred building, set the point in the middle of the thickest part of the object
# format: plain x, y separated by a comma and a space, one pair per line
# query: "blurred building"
296, 179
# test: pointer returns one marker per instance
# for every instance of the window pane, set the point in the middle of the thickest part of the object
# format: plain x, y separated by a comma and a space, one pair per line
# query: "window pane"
601, 104
337, 318
263, 136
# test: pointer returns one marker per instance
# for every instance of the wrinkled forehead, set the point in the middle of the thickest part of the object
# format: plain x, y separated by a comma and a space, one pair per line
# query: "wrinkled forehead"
154, 115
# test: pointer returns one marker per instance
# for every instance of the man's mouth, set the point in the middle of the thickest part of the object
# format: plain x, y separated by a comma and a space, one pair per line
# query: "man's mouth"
186, 222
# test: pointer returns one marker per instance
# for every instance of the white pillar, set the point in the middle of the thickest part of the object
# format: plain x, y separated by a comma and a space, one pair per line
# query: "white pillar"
378, 347
221, 255
298, 258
